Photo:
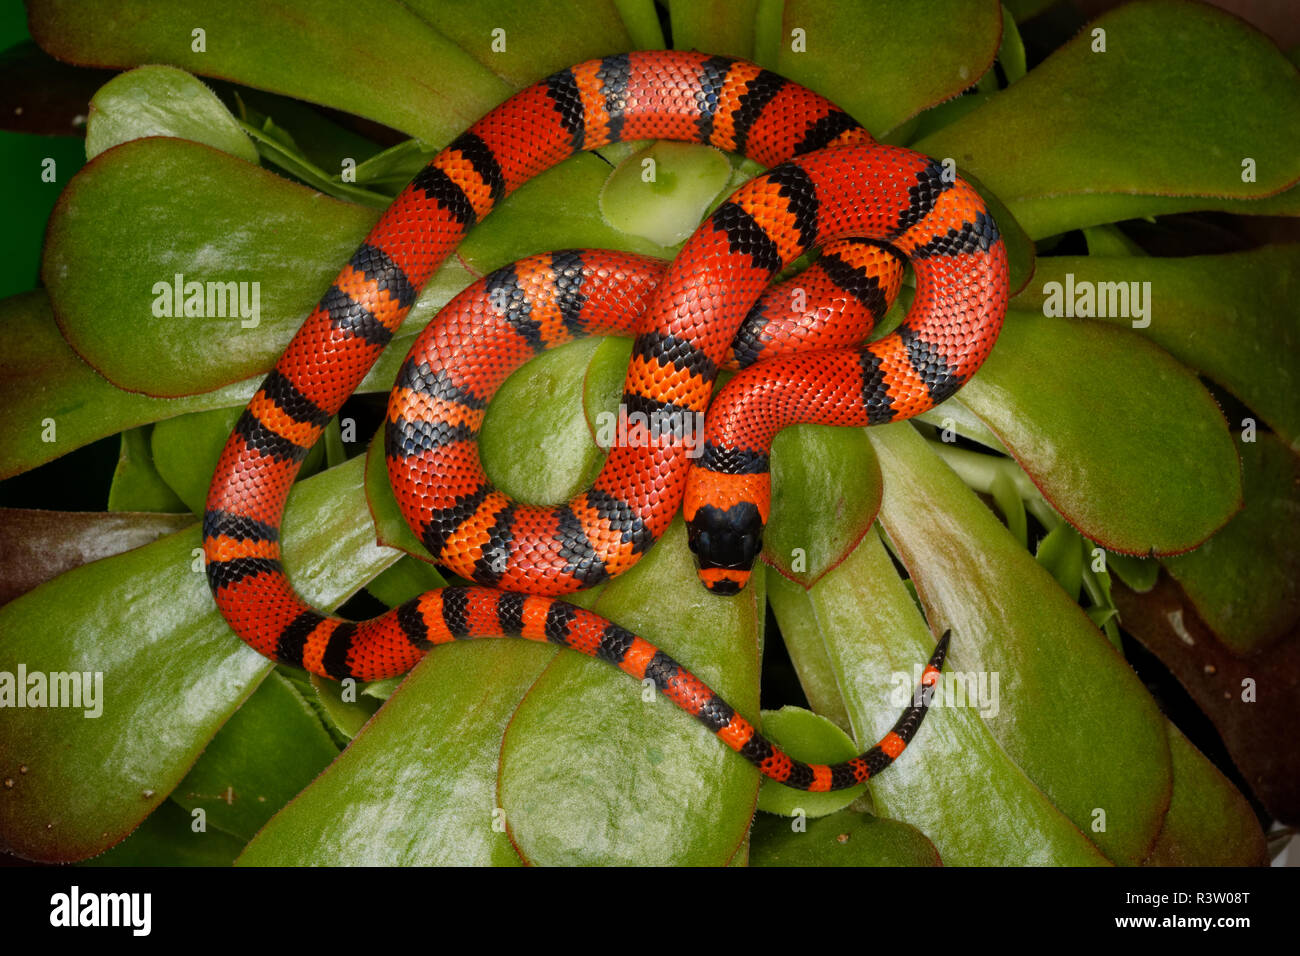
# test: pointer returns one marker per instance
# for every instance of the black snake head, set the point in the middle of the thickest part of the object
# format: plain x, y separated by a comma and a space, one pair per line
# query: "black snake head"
725, 544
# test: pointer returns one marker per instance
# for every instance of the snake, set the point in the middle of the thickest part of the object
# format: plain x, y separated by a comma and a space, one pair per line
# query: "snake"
871, 208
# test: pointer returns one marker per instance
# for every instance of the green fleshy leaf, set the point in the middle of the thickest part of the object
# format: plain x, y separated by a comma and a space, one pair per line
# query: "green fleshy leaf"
137, 486
418, 785
1138, 573
320, 140
1062, 213
406, 579
1102, 747
1062, 396
167, 838
957, 40
186, 449
347, 716
1183, 94
687, 177
1229, 317
1245, 581
396, 166
842, 839
1011, 54
43, 383
1009, 502
537, 417
1061, 553
641, 17
641, 781
162, 101
876, 643
309, 50
205, 216
37, 545
173, 672
1109, 240
807, 650
271, 748
825, 494
535, 41
946, 113
813, 739
1209, 822
720, 27
952, 418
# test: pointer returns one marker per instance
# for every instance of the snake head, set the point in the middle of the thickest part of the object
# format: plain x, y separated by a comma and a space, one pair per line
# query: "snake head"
725, 544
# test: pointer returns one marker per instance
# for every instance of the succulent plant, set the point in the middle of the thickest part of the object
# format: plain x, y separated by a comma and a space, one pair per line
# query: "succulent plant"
1106, 516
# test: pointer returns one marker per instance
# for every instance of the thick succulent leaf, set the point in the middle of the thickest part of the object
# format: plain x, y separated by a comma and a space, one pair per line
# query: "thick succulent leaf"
173, 672
398, 70
842, 839
641, 17
1248, 699
168, 838
43, 383
1071, 714
137, 486
683, 181
271, 748
162, 101
37, 546
418, 785
875, 644
211, 218
1183, 94
955, 39
1230, 317
346, 716
808, 651
816, 740
640, 781
1161, 484
825, 494
1209, 822
555, 34
721, 27
1245, 581
538, 416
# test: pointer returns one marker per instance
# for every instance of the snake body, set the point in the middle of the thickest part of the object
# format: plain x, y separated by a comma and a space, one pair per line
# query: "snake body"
831, 186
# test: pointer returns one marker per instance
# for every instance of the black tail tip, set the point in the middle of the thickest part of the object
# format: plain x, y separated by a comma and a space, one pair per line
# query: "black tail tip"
941, 650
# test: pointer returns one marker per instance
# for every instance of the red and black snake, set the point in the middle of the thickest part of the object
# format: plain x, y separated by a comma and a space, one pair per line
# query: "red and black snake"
830, 186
